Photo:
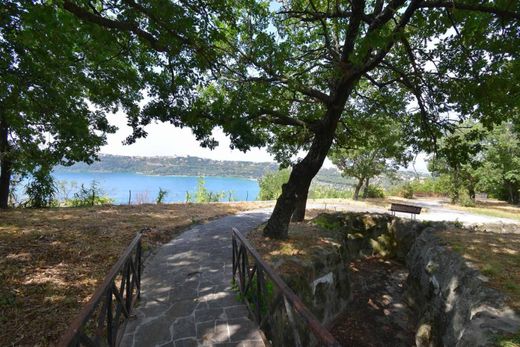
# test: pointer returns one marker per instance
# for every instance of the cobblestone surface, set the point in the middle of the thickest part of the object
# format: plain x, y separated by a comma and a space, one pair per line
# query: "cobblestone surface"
186, 295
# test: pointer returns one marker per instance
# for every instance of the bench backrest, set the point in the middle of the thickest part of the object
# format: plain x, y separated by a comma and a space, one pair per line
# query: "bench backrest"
405, 208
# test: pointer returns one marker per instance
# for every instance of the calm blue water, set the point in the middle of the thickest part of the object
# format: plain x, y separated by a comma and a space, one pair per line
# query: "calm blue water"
145, 188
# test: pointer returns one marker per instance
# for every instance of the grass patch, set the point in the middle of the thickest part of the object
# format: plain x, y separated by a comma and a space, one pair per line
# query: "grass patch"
52, 260
509, 341
496, 254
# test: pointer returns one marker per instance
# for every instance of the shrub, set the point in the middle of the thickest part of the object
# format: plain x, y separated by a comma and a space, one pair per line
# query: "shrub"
406, 191
204, 195
41, 190
89, 196
375, 191
271, 184
328, 192
161, 196
465, 200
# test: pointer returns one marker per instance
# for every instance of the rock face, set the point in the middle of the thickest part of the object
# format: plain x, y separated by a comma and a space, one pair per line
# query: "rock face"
455, 306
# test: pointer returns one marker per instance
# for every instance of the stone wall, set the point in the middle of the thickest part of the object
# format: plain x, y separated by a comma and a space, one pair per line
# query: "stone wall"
451, 299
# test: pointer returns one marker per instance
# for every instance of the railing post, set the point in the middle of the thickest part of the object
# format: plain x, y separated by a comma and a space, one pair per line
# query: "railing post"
129, 287
233, 247
259, 291
109, 317
139, 268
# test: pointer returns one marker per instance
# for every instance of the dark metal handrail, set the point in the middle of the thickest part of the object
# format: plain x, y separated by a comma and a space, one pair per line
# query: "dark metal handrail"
251, 283
100, 320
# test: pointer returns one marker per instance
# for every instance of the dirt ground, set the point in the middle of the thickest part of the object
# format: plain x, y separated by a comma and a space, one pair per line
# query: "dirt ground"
377, 315
52, 260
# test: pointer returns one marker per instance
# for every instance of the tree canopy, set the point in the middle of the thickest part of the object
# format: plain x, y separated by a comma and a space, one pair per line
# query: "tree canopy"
58, 82
285, 74
370, 148
478, 159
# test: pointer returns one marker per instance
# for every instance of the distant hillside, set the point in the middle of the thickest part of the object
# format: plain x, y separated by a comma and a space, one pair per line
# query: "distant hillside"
195, 166
187, 166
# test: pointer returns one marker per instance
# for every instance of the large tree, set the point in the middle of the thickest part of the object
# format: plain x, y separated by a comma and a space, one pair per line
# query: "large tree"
285, 74
379, 149
57, 84
459, 157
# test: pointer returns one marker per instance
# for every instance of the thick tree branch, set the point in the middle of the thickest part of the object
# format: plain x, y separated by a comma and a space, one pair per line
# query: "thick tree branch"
403, 21
353, 29
502, 13
280, 118
124, 26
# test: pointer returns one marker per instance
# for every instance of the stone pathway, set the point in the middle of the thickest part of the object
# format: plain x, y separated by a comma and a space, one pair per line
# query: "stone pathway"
186, 295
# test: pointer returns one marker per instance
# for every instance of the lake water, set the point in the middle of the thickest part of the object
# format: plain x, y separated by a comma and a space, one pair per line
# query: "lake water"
145, 188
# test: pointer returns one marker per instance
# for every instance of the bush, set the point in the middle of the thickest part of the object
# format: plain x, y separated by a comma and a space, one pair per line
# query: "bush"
465, 200
204, 195
375, 191
41, 190
271, 184
89, 196
161, 195
407, 191
328, 192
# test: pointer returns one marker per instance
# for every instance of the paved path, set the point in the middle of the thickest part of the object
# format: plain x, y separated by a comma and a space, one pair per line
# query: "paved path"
186, 297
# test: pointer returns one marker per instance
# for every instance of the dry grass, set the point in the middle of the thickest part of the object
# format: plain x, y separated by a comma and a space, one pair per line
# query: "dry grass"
52, 260
496, 255
493, 208
305, 239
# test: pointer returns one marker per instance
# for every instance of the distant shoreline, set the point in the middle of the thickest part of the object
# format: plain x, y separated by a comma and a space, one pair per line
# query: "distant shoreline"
146, 174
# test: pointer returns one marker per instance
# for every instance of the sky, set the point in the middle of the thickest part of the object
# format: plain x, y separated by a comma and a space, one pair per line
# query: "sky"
166, 140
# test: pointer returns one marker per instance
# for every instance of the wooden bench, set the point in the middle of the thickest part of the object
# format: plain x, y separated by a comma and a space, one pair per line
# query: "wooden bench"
413, 210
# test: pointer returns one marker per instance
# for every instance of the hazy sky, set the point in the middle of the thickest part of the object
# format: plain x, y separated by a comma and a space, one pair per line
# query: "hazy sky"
166, 140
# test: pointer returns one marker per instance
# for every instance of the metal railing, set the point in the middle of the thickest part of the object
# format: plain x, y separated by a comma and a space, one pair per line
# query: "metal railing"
101, 320
263, 302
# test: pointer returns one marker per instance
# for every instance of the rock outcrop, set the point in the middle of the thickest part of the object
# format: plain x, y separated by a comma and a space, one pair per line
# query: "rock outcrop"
454, 303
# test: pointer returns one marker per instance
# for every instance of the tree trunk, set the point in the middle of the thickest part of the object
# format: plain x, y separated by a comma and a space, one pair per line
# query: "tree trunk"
471, 192
5, 164
301, 176
358, 188
303, 172
365, 190
300, 206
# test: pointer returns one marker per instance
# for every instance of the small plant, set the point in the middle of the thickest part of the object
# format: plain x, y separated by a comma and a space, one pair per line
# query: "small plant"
161, 196
465, 200
458, 223
41, 190
89, 196
189, 197
250, 296
203, 195
407, 191
142, 198
328, 222
508, 340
